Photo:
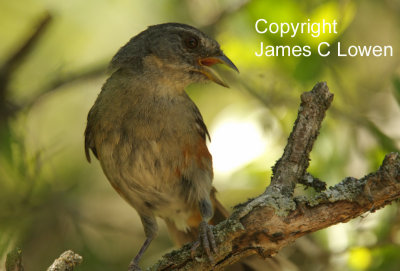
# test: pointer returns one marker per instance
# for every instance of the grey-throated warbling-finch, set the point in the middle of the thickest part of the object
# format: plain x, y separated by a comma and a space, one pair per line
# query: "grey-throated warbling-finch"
150, 137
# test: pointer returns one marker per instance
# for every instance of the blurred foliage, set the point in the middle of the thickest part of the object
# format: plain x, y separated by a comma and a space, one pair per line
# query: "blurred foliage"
52, 200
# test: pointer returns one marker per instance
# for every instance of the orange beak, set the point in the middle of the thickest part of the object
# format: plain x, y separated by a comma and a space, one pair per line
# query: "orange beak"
206, 63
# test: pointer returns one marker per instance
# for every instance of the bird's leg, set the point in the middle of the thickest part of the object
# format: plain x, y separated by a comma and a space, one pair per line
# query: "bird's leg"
150, 230
206, 235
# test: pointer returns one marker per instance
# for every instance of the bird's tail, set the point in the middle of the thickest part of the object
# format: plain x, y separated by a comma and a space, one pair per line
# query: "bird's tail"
251, 263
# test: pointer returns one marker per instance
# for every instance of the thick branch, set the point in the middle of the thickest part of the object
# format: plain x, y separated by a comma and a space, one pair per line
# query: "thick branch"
273, 220
264, 232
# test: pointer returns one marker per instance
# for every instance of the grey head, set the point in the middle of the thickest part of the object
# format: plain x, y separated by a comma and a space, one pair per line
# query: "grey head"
180, 47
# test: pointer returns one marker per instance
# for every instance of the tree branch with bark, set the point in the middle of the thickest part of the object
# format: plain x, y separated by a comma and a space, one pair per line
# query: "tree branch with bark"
275, 219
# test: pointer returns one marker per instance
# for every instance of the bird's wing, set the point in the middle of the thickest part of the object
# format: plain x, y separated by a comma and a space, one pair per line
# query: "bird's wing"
201, 125
89, 137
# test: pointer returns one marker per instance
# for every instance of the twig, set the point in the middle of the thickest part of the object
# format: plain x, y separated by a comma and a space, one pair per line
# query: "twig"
309, 180
14, 63
8, 109
14, 260
66, 262
291, 167
17, 58
73, 77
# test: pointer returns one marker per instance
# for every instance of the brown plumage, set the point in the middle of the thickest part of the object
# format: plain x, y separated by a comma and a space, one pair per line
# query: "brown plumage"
150, 137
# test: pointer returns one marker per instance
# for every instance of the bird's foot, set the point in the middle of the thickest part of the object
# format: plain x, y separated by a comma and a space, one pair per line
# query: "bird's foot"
206, 241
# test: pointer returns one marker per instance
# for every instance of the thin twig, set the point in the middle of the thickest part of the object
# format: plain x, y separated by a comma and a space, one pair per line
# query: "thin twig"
15, 61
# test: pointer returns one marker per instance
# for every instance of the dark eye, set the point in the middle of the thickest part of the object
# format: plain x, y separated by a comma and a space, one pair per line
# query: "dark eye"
191, 42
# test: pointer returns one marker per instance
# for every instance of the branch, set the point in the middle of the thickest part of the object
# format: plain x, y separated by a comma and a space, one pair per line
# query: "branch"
15, 61
7, 70
86, 74
291, 167
66, 262
311, 181
18, 57
14, 260
273, 220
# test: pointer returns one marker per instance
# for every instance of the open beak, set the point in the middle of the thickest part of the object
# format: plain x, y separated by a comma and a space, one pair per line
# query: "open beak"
206, 63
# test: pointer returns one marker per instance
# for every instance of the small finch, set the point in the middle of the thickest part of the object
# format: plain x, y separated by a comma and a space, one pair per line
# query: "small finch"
150, 137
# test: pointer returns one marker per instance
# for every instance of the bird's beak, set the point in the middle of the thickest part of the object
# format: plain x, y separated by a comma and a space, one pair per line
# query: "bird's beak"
207, 62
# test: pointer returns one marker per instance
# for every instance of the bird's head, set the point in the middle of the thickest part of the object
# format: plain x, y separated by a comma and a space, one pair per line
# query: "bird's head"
180, 48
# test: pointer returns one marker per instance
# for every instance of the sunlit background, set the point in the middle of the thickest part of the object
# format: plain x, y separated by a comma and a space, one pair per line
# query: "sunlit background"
52, 200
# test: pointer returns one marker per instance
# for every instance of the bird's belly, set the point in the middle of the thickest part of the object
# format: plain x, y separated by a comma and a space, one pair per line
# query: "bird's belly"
158, 194
176, 211
146, 173
162, 174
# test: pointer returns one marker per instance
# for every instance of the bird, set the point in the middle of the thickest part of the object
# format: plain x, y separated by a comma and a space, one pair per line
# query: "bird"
150, 137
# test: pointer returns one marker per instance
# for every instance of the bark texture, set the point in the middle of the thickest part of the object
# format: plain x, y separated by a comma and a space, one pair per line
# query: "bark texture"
67, 261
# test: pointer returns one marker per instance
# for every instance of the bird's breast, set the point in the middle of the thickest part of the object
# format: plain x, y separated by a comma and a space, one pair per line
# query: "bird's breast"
155, 157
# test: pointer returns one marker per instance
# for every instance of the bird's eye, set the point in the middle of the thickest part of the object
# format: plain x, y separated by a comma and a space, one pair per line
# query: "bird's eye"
191, 42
